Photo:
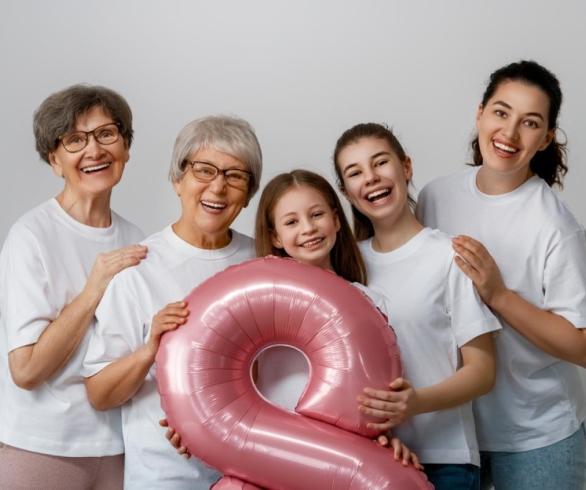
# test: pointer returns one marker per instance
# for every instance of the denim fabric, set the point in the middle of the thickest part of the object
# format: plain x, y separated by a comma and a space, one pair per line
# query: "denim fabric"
453, 476
560, 466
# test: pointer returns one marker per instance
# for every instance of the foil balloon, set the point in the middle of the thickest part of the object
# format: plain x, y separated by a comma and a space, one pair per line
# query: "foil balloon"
207, 391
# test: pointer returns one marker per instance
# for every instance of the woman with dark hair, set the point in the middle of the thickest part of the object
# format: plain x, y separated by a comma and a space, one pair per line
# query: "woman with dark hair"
54, 268
531, 426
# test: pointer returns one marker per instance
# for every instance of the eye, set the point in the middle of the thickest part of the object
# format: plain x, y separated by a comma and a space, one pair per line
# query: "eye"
378, 163
290, 222
500, 113
74, 138
530, 123
317, 214
352, 173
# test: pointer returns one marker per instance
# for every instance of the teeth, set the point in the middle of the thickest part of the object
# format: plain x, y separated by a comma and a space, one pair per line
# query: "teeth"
95, 168
373, 195
215, 205
507, 148
311, 243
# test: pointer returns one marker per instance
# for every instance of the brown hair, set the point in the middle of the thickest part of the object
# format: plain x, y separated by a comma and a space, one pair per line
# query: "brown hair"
345, 255
363, 228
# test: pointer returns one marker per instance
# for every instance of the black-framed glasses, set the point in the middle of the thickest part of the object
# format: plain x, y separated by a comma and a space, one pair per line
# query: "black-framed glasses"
78, 140
206, 172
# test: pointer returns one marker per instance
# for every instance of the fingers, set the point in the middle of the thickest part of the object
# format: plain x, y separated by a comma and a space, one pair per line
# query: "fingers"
164, 423
382, 440
416, 462
382, 426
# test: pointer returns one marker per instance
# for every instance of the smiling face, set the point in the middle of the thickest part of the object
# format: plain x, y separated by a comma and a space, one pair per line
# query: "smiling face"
375, 179
512, 127
305, 226
95, 169
209, 208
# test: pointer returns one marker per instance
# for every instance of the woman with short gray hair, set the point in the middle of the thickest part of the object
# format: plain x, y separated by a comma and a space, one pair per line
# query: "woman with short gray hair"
54, 267
215, 171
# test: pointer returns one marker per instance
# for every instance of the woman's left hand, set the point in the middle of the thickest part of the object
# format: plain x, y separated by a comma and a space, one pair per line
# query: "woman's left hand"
477, 263
394, 405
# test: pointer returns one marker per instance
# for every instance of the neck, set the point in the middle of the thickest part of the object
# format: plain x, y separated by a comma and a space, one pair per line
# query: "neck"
199, 239
91, 210
390, 236
494, 183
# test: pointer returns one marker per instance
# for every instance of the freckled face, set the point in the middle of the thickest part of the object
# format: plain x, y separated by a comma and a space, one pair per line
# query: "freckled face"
512, 128
375, 179
306, 226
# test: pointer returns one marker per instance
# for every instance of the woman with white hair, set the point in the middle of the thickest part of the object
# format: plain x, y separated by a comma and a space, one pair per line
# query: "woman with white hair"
215, 170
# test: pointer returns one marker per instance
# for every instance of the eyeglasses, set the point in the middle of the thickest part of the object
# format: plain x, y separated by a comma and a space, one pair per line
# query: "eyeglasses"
78, 140
207, 172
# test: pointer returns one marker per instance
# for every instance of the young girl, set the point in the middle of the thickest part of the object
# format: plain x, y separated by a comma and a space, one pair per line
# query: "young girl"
531, 425
300, 216
443, 329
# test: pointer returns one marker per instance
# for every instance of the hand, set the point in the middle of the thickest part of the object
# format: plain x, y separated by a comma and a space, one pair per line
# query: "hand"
475, 261
400, 451
108, 264
394, 405
169, 318
174, 439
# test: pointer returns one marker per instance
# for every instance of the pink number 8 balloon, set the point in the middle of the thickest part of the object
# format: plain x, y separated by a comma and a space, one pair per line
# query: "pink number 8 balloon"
207, 392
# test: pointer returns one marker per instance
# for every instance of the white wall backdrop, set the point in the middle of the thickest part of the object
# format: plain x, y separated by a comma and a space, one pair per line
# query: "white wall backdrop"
301, 72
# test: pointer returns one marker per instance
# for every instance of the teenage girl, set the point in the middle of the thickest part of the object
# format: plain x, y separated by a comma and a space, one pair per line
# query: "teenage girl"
442, 326
531, 427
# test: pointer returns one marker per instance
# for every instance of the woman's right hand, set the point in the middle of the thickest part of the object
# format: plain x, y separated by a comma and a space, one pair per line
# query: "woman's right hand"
108, 264
174, 439
169, 318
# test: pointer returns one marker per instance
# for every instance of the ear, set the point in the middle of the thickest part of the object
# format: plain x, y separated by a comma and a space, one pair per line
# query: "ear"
55, 165
177, 187
276, 241
337, 221
479, 111
548, 139
408, 168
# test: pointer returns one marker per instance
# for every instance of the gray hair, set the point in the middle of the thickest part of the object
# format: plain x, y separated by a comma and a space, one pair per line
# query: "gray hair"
58, 114
227, 134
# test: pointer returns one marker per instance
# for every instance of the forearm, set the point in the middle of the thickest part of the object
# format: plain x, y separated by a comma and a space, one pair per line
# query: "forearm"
119, 381
550, 332
32, 365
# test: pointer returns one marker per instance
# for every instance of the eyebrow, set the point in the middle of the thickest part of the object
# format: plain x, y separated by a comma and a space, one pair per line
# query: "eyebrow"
372, 157
504, 104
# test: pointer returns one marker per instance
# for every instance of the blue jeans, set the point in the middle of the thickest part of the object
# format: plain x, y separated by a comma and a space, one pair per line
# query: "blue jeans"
453, 476
560, 466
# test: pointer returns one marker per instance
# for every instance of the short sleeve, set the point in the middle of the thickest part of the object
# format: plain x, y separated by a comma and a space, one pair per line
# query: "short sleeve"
564, 279
470, 317
25, 292
118, 330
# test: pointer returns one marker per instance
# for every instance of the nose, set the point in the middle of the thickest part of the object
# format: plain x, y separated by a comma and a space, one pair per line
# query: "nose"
93, 148
307, 226
219, 183
370, 175
511, 129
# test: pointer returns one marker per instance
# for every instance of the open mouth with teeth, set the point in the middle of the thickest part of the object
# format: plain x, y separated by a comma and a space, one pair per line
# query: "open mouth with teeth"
500, 146
216, 206
380, 194
314, 242
91, 169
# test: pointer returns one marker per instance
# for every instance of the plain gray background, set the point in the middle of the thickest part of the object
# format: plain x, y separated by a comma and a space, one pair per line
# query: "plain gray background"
301, 72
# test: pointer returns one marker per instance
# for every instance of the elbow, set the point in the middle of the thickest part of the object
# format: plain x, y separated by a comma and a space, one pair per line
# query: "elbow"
96, 400
25, 379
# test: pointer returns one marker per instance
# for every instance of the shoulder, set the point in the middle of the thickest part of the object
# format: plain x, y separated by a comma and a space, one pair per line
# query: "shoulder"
452, 181
34, 227
552, 211
130, 232
243, 244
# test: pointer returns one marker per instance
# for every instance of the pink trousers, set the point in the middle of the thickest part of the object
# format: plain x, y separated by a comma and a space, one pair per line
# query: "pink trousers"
25, 470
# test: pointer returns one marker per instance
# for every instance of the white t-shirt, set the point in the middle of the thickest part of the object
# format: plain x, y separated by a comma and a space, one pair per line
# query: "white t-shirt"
283, 371
171, 270
541, 252
44, 265
434, 310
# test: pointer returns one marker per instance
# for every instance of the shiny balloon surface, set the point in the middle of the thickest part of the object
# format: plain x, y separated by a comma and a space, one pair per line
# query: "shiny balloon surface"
207, 392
